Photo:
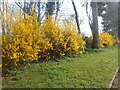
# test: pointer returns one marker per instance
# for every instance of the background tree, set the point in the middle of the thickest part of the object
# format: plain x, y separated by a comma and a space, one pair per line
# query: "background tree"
26, 7
119, 20
53, 8
76, 16
95, 42
50, 8
40, 8
93, 23
109, 13
57, 7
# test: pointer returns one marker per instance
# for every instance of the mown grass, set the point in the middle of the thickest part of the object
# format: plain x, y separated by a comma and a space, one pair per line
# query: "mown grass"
91, 70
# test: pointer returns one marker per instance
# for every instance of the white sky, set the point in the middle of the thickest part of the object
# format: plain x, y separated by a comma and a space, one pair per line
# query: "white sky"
67, 9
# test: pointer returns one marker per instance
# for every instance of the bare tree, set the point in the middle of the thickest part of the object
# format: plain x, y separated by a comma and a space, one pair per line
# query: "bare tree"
76, 16
57, 7
26, 6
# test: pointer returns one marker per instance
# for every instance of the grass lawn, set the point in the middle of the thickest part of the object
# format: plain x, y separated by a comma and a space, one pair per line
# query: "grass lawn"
91, 70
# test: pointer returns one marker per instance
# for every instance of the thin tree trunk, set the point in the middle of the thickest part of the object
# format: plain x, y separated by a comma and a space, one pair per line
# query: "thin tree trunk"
38, 18
3, 23
7, 16
76, 16
24, 12
119, 20
95, 43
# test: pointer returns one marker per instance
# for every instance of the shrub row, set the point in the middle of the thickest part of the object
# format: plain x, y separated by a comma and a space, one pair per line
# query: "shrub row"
27, 41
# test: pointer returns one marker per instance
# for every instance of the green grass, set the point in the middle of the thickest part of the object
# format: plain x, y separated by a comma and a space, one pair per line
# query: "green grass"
91, 70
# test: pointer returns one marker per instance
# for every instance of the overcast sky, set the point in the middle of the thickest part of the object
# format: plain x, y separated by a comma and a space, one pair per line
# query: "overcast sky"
67, 10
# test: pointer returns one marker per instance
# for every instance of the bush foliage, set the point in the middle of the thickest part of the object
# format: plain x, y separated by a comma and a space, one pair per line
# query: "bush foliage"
27, 41
106, 40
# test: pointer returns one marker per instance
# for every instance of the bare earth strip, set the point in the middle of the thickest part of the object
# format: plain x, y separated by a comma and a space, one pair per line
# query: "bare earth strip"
116, 80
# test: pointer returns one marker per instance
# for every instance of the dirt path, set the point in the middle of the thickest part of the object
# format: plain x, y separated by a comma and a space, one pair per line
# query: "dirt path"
116, 81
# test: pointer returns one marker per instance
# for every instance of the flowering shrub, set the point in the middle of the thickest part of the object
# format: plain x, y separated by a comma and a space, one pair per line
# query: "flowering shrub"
106, 40
27, 41
65, 40
73, 42
116, 39
23, 43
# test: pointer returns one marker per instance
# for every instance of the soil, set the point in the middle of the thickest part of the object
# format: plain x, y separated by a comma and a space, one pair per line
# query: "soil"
116, 81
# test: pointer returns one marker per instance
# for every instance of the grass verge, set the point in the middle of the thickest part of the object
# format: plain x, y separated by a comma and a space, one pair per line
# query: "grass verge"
91, 70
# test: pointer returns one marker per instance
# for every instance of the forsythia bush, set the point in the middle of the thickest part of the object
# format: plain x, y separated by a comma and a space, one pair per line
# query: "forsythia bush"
65, 40
73, 42
106, 40
23, 43
27, 41
116, 39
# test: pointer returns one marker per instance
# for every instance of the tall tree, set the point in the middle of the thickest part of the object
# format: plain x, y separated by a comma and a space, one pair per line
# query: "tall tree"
76, 16
109, 13
119, 20
93, 23
95, 42
112, 16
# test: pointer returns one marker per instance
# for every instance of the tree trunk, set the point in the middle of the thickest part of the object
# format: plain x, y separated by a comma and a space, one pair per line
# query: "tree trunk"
38, 18
95, 43
119, 20
3, 22
76, 16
